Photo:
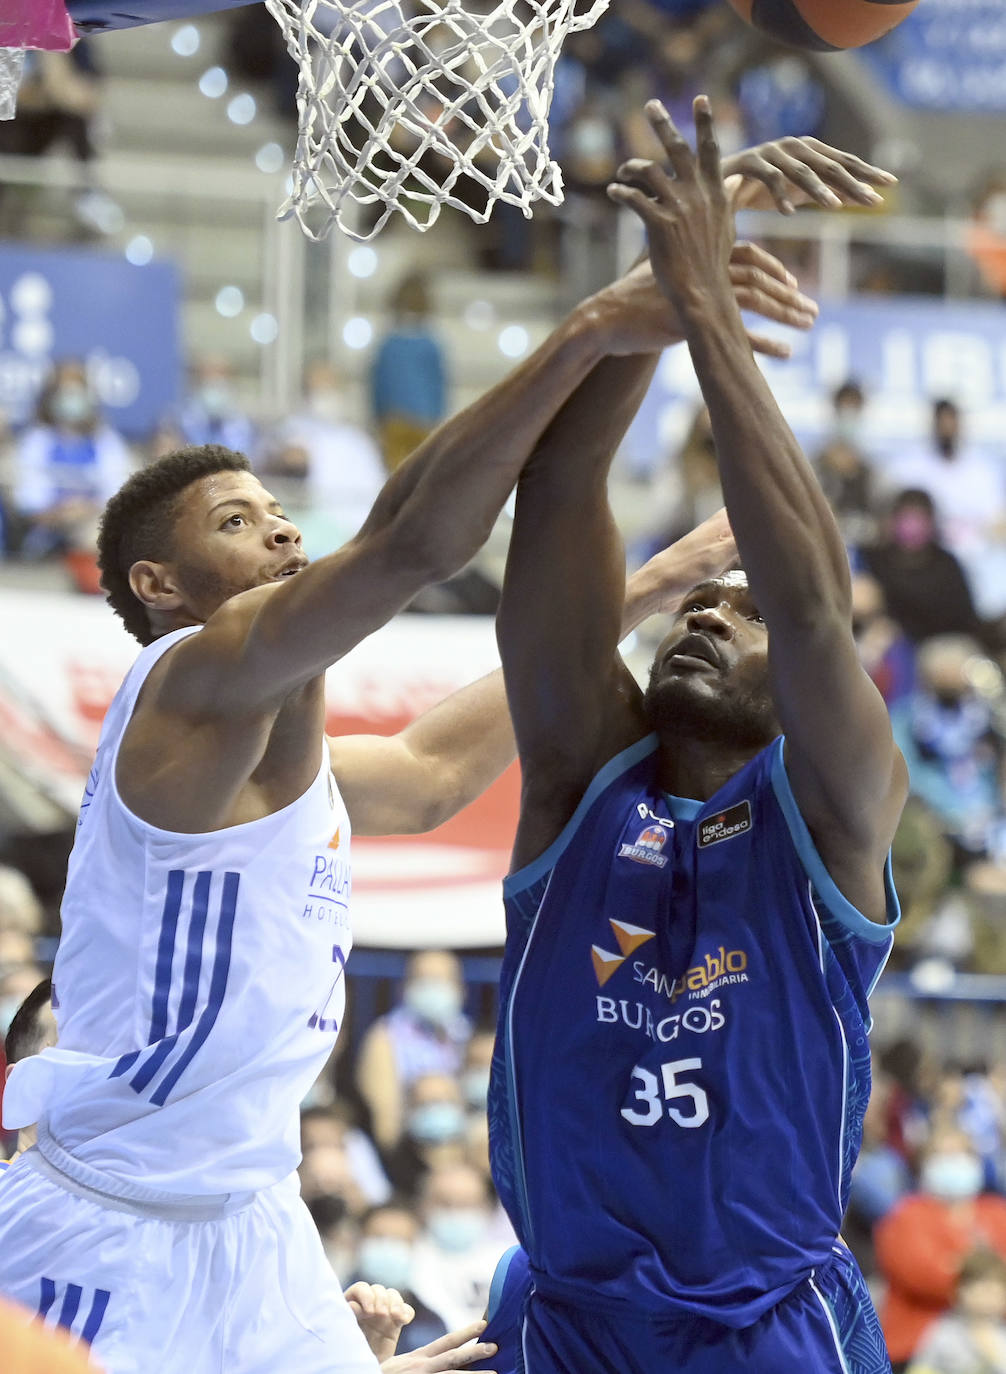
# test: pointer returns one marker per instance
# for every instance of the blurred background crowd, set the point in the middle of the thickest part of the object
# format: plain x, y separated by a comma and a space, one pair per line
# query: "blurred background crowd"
395, 1149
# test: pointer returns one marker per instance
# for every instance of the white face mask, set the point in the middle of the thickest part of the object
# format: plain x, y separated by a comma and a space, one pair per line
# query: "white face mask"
325, 405
433, 1123
386, 1260
952, 1177
457, 1228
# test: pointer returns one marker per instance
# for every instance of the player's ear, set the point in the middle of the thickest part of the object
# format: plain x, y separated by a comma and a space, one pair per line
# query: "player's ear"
155, 585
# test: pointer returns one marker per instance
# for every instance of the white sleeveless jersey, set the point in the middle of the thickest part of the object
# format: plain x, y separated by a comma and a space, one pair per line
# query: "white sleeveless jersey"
198, 987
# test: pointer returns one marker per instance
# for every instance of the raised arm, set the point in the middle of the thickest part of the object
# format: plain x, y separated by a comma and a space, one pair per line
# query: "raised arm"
442, 761
847, 776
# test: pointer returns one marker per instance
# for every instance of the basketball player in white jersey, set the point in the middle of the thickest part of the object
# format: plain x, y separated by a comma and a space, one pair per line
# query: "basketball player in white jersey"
198, 985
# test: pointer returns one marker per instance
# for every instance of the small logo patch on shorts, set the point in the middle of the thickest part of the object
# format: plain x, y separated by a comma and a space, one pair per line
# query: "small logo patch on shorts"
735, 820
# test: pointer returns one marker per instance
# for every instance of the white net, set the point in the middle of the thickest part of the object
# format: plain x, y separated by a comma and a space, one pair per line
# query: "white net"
11, 66
410, 105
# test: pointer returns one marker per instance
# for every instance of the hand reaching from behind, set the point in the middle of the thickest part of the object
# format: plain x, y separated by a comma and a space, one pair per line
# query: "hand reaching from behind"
657, 588
801, 171
452, 1351
638, 318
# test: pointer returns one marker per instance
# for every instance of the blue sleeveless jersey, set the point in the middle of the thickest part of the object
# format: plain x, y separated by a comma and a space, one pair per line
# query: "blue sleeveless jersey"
682, 1062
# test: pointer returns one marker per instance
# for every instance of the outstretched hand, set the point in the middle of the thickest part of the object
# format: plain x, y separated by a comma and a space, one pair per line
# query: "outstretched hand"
705, 552
801, 171
688, 217
642, 320
452, 1351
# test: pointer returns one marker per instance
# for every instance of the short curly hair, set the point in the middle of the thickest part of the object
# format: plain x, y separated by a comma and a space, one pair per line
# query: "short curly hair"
139, 522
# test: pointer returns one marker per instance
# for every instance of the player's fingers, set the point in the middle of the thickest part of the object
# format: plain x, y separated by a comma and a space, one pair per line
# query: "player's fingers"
461, 1359
679, 155
648, 176
756, 283
706, 144
826, 181
795, 171
455, 1338
753, 255
769, 308
631, 196
863, 171
772, 348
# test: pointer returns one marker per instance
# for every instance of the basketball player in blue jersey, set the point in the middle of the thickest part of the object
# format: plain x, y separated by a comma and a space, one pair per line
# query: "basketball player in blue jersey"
700, 900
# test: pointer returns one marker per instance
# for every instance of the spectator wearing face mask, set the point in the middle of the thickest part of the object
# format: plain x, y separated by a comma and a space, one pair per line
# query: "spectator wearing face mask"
435, 1132
325, 470
457, 1253
972, 1338
385, 1255
946, 730
923, 1241
843, 468
967, 489
884, 649
425, 1034
923, 584
67, 465
210, 413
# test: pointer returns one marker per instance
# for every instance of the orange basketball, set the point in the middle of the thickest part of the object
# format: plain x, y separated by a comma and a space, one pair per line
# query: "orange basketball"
824, 25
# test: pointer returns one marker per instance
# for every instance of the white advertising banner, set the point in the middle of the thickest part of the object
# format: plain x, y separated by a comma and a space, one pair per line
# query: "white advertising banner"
62, 658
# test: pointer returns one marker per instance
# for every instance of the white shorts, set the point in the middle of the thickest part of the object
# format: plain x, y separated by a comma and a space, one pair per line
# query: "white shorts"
225, 1287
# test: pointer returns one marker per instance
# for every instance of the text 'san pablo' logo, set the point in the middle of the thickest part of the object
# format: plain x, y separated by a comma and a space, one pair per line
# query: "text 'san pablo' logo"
735, 820
628, 939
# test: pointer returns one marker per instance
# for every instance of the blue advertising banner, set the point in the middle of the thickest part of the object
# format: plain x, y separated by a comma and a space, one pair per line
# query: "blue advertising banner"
904, 351
947, 55
120, 319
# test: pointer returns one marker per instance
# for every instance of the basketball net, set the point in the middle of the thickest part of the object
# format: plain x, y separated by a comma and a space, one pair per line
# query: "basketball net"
410, 105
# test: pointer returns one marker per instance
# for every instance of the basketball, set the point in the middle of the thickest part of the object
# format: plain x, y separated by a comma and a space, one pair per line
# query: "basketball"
823, 25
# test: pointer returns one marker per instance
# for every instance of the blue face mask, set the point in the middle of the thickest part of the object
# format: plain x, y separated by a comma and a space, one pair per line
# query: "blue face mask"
475, 1086
71, 404
216, 399
432, 1123
952, 1177
434, 1000
386, 1260
457, 1228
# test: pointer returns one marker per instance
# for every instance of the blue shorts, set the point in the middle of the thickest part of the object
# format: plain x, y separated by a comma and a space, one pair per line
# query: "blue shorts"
827, 1325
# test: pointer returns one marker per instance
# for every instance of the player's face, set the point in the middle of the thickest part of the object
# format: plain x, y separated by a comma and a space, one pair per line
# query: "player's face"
231, 535
710, 675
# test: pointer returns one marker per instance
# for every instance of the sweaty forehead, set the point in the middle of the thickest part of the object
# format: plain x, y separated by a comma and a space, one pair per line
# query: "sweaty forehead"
217, 487
733, 583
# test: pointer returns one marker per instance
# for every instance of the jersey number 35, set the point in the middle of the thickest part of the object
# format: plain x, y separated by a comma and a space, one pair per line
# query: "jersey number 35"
652, 1102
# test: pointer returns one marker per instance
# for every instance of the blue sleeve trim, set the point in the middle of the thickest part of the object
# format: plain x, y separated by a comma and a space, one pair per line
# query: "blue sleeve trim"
496, 1288
824, 885
621, 763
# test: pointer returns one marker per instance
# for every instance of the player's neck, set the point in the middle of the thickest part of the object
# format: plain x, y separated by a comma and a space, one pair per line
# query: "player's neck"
698, 768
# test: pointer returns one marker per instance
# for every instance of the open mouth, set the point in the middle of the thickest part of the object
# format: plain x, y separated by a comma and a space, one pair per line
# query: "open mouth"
291, 570
694, 648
